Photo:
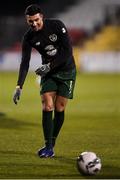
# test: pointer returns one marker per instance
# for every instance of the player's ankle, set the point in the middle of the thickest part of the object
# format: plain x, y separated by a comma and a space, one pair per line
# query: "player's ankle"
49, 146
53, 141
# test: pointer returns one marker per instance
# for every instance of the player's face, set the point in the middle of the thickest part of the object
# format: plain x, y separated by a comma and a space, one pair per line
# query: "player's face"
35, 21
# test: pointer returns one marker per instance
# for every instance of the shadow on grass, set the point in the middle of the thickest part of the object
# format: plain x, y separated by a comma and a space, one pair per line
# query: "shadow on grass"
52, 169
39, 176
107, 172
41, 171
10, 123
2, 114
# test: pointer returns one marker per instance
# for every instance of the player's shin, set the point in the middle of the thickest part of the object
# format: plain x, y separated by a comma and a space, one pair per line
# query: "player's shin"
47, 124
57, 124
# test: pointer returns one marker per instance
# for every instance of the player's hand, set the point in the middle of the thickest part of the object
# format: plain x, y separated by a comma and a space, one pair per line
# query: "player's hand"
43, 70
17, 94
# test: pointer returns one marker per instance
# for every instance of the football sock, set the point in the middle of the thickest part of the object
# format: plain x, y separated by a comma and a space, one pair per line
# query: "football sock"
47, 124
57, 124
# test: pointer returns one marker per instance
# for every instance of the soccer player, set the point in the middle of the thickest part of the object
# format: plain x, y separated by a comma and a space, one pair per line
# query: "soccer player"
58, 71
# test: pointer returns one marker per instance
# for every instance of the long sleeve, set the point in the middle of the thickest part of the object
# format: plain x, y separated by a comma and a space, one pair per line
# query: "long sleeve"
24, 66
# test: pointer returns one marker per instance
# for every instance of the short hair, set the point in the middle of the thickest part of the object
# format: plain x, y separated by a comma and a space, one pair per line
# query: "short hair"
33, 9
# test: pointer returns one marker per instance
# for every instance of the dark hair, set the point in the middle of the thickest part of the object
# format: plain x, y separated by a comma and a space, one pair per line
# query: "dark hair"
33, 9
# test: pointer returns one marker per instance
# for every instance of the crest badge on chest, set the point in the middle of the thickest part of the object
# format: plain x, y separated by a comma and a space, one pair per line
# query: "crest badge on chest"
53, 37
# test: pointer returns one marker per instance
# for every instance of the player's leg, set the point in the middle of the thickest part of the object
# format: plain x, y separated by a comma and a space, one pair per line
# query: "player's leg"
48, 94
47, 123
64, 92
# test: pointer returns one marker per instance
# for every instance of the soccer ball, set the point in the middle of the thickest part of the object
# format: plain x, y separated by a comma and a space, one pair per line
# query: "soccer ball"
88, 163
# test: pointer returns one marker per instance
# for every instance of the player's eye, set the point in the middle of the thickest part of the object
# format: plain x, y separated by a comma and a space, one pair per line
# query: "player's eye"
30, 21
36, 20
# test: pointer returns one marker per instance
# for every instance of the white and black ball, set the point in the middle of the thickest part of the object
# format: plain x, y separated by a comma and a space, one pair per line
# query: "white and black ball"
88, 163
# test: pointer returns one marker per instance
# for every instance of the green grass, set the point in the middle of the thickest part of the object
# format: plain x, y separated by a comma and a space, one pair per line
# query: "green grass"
92, 123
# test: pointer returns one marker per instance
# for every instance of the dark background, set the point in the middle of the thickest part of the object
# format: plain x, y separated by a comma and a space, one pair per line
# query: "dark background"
50, 7
16, 7
13, 23
12, 19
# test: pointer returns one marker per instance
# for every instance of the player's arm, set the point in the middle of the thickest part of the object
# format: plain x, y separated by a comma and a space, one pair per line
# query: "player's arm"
24, 65
23, 70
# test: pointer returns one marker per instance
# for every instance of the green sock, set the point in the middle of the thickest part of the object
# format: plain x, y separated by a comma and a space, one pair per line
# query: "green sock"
57, 124
47, 124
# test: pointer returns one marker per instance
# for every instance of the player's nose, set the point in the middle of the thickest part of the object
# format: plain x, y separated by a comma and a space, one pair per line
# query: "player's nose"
34, 23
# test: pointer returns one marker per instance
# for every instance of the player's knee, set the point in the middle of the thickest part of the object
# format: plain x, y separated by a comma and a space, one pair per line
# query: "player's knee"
48, 107
60, 107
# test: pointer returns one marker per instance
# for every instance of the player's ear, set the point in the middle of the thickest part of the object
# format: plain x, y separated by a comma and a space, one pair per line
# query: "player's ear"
27, 18
41, 15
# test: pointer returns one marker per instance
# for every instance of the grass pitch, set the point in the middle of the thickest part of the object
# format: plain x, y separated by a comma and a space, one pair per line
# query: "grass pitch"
92, 124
